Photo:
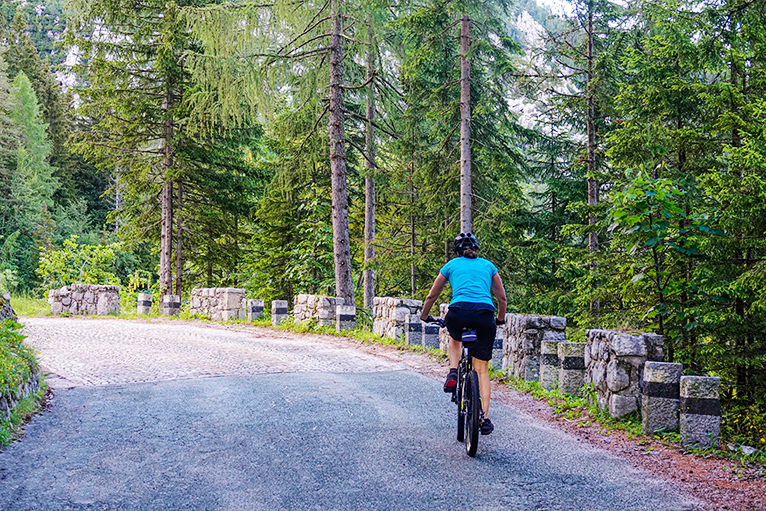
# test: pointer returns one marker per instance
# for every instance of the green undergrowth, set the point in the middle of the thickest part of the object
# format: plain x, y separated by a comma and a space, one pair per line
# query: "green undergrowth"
17, 364
580, 410
576, 408
28, 306
28, 407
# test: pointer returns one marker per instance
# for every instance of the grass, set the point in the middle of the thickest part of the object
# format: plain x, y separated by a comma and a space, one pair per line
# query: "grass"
28, 306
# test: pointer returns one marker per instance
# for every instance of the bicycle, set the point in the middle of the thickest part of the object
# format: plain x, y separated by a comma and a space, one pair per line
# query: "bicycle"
467, 396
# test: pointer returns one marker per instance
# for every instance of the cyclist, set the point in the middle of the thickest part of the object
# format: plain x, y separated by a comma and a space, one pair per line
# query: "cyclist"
472, 280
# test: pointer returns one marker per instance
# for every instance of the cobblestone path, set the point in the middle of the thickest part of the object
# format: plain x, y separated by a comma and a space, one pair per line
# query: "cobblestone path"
85, 352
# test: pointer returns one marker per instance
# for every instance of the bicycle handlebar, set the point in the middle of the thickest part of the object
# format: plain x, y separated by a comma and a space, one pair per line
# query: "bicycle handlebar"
438, 321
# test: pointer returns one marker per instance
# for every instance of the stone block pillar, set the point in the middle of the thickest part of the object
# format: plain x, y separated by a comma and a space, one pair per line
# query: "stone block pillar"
278, 312
700, 418
660, 397
254, 309
170, 305
549, 364
430, 335
571, 367
413, 329
497, 348
444, 336
345, 317
144, 303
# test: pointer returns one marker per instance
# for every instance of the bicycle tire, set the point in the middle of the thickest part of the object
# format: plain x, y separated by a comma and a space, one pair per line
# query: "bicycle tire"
473, 404
460, 406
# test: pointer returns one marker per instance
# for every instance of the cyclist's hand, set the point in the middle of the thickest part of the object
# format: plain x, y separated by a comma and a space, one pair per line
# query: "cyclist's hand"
429, 319
499, 322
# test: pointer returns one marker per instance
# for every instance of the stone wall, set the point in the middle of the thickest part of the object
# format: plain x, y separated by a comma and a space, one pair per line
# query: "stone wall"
85, 299
6, 311
389, 314
321, 308
614, 362
218, 303
9, 401
521, 346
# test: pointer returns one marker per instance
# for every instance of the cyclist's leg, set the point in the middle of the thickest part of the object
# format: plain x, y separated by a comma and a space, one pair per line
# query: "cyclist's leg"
482, 369
485, 336
455, 321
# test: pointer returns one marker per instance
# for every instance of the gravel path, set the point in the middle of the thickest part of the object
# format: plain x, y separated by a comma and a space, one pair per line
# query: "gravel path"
292, 422
87, 352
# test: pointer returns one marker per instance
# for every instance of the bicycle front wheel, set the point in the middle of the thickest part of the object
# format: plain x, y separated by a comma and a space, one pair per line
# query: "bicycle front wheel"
473, 405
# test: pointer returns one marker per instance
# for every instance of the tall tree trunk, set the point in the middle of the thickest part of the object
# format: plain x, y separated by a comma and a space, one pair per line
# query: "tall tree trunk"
369, 179
166, 226
413, 270
466, 212
179, 240
344, 286
591, 132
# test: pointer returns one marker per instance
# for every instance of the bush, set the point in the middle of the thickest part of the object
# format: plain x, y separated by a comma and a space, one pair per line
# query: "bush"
75, 263
744, 425
17, 361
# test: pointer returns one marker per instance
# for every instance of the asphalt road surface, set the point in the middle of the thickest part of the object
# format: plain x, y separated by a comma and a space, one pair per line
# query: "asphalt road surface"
346, 431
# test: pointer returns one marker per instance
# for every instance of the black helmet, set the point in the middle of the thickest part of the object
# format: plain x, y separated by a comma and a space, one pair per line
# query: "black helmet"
465, 240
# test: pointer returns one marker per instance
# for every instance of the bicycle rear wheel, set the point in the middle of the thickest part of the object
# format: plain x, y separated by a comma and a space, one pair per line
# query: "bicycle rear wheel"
472, 407
460, 406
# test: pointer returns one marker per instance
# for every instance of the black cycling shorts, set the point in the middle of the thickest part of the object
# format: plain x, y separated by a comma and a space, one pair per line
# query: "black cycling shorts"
483, 321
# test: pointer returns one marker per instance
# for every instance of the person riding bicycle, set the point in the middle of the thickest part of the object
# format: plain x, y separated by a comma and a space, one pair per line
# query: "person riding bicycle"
472, 280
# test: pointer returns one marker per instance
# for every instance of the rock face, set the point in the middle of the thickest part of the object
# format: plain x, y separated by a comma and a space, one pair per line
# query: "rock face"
524, 334
85, 299
6, 311
614, 362
319, 307
389, 315
218, 303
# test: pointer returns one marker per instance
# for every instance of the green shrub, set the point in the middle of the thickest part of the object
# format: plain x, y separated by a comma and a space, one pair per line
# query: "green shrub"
17, 361
744, 425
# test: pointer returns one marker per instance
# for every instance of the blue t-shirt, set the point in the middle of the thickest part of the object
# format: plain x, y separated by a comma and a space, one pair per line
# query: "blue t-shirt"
471, 279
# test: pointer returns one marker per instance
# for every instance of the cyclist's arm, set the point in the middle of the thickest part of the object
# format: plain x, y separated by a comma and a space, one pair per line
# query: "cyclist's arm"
433, 295
502, 301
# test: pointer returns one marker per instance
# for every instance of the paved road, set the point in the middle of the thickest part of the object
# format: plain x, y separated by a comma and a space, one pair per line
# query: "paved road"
336, 431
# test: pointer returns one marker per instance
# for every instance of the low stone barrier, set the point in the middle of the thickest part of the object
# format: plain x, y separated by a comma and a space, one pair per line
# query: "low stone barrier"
9, 401
660, 397
254, 309
444, 336
319, 307
218, 303
497, 349
614, 364
431, 335
521, 347
700, 418
144, 303
85, 299
549, 364
571, 367
170, 305
389, 315
6, 311
278, 312
413, 329
345, 317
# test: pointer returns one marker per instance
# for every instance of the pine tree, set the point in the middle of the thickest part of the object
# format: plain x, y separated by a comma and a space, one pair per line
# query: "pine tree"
33, 183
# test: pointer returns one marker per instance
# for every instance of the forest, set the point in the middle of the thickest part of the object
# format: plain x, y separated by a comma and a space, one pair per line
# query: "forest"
610, 157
